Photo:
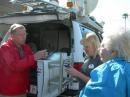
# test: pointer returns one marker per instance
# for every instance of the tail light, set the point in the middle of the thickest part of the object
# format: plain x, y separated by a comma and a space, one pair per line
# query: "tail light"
78, 65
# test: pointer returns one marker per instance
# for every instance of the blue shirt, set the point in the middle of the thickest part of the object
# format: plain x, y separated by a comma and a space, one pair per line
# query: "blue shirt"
111, 79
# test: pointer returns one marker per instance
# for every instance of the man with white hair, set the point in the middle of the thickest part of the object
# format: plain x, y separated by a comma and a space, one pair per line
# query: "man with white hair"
16, 60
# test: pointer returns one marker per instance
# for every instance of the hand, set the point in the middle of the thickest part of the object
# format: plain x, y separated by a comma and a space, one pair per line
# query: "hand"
40, 54
72, 71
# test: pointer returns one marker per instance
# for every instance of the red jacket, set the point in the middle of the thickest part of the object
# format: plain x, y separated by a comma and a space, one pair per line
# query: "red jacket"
14, 72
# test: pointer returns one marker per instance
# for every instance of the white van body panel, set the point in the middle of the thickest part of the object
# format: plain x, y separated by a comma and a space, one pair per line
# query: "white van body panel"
51, 74
32, 18
78, 48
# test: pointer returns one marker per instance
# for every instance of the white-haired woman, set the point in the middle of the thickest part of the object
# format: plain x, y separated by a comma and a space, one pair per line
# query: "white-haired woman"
91, 44
111, 79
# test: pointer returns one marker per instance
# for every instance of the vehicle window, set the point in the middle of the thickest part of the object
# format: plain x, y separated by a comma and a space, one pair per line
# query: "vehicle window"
85, 30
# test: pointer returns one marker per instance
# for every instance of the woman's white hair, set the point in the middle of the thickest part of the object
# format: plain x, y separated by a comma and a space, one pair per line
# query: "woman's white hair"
119, 41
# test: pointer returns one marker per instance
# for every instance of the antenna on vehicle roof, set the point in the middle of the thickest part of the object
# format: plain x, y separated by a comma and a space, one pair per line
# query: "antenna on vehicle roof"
84, 7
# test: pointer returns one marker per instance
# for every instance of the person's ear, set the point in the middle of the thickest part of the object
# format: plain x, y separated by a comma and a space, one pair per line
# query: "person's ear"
114, 53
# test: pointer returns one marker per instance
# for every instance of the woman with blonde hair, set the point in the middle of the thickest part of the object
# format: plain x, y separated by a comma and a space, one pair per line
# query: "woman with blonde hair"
112, 78
91, 44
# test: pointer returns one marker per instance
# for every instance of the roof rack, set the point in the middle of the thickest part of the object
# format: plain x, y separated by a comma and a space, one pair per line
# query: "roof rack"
41, 4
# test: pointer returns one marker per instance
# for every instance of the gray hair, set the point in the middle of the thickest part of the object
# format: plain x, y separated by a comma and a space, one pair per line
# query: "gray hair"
13, 27
11, 31
119, 41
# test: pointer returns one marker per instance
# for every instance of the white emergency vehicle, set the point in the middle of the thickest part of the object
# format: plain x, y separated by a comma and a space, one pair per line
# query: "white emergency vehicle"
59, 30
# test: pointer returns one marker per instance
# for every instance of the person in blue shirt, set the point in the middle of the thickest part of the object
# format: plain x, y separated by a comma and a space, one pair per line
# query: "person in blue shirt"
112, 78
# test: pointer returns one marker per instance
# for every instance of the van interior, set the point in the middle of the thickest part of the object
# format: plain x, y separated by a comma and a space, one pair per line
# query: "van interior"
53, 36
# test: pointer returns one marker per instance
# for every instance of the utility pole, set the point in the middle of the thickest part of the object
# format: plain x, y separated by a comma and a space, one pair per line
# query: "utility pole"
125, 16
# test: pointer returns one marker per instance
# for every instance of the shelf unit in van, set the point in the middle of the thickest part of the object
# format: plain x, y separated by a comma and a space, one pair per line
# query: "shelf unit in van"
52, 79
